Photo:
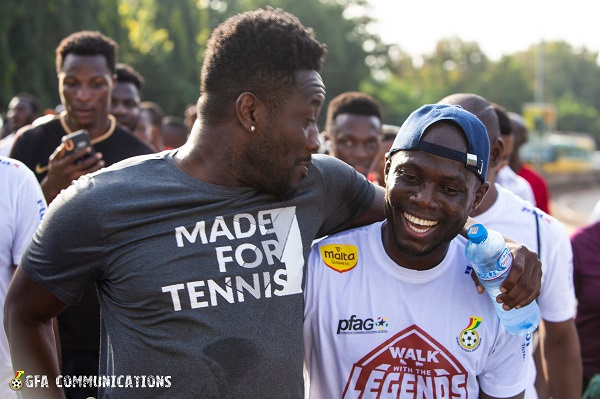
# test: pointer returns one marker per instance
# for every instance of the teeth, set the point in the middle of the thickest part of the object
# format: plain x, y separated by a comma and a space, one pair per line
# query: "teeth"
421, 222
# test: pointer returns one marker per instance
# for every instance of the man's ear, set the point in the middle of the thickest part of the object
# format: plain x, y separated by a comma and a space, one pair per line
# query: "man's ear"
247, 110
479, 195
388, 165
496, 151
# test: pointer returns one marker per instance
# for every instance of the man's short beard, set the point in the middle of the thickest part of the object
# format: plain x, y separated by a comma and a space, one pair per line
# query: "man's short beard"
257, 166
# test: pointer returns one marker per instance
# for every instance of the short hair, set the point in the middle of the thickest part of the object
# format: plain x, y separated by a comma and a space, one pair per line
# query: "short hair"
351, 102
257, 51
503, 119
154, 110
127, 74
87, 43
31, 100
478, 106
389, 132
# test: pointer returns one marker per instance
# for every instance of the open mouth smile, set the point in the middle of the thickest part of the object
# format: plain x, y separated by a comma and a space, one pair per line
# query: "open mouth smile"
419, 225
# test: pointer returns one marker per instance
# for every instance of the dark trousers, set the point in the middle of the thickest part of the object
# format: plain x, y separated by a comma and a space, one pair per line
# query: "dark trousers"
79, 363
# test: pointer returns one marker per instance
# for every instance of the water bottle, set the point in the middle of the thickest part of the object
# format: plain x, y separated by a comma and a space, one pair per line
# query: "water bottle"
492, 260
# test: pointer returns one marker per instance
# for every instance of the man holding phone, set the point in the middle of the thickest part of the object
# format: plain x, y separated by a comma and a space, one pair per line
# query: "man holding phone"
85, 63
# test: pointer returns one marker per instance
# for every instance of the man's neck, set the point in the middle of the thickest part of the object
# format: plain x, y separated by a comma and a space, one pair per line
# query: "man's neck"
96, 130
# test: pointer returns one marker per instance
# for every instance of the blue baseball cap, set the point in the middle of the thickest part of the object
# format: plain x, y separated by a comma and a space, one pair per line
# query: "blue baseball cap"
411, 132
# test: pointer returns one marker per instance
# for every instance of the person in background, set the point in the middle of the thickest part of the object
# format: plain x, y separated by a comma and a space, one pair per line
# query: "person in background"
22, 206
174, 132
85, 64
388, 134
190, 114
514, 217
353, 129
126, 97
586, 261
155, 115
537, 182
387, 304
23, 109
505, 176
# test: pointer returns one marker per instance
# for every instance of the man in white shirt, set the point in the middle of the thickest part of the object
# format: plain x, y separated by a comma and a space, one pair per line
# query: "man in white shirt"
505, 176
22, 206
390, 308
503, 211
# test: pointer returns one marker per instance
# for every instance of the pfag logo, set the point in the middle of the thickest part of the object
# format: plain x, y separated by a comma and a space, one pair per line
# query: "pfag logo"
354, 325
411, 364
340, 257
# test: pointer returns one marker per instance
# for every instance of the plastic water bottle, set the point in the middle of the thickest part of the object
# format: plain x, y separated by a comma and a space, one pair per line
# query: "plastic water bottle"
492, 260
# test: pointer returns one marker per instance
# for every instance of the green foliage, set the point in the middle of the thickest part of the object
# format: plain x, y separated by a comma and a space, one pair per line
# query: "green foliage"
165, 42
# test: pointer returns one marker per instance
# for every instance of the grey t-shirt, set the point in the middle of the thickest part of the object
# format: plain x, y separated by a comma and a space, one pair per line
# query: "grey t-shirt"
200, 286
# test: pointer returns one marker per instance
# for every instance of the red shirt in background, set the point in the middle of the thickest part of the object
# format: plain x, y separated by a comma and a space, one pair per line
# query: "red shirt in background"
539, 187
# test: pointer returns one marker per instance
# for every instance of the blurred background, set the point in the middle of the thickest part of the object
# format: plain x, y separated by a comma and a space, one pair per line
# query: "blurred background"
402, 55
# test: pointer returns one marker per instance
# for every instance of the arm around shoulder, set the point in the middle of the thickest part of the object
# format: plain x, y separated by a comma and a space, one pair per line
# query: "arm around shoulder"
375, 212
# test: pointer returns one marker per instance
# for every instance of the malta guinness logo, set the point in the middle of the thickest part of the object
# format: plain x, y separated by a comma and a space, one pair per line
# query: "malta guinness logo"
340, 257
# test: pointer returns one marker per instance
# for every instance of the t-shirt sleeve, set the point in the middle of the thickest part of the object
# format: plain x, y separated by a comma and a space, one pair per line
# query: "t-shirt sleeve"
347, 194
67, 250
557, 300
504, 373
30, 207
22, 148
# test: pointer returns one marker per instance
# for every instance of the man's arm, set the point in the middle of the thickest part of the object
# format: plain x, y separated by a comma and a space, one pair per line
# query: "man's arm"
561, 358
375, 212
28, 320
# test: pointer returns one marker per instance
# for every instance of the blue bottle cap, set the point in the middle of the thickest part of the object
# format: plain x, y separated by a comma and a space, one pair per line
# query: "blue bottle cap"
477, 233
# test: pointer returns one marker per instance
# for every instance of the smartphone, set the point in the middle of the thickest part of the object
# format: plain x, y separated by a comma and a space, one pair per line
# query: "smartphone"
77, 141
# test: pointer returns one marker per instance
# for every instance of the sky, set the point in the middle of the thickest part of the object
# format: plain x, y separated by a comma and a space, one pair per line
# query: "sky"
499, 27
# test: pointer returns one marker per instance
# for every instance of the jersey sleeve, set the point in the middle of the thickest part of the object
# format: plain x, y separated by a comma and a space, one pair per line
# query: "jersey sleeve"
504, 374
66, 251
30, 207
557, 300
22, 148
347, 194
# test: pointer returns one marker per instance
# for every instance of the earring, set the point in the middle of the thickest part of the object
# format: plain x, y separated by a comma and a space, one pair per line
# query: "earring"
252, 128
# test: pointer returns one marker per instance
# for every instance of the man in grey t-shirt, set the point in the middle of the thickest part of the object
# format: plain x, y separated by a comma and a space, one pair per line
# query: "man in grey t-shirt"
198, 254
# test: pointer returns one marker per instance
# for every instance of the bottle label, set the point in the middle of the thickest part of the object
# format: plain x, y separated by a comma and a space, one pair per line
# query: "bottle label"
505, 259
504, 262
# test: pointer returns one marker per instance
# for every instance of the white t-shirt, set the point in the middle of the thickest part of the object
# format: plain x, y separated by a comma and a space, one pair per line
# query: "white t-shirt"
514, 218
6, 144
22, 206
374, 328
511, 181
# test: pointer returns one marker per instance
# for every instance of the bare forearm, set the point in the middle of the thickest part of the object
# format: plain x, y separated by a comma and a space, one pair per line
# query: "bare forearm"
562, 360
33, 350
29, 312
